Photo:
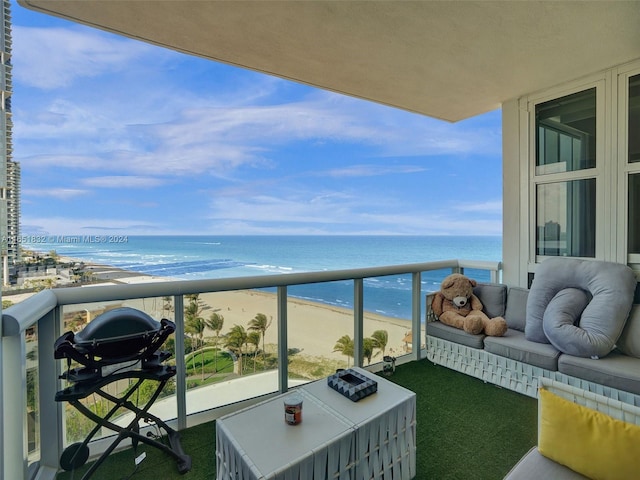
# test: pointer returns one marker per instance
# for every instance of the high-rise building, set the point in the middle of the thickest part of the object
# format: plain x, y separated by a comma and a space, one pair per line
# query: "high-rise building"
9, 170
13, 210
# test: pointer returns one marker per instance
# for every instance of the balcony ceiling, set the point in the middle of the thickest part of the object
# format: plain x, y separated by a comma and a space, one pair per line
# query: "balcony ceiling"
445, 59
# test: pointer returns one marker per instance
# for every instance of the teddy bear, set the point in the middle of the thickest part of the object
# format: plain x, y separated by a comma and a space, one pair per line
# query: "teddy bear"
456, 305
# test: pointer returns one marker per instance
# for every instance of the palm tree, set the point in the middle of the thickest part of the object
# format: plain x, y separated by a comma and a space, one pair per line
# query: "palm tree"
236, 339
345, 346
260, 324
368, 345
380, 339
194, 324
193, 297
195, 327
215, 323
254, 339
167, 306
76, 323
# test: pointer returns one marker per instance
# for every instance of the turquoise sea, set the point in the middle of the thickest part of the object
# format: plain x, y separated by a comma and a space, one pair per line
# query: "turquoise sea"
198, 257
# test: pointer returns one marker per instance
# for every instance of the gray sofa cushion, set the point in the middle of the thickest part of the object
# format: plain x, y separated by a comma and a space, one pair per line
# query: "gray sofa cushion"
535, 466
612, 286
440, 330
515, 346
493, 297
616, 370
560, 321
629, 341
516, 312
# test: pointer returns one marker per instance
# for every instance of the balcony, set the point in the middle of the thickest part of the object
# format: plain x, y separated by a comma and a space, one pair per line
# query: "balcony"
36, 429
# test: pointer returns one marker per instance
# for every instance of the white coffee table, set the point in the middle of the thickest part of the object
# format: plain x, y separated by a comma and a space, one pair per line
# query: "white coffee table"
337, 439
384, 426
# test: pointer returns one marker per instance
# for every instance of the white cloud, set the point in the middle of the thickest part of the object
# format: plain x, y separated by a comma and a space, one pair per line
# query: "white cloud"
427, 223
60, 193
366, 212
235, 227
186, 135
490, 207
322, 208
89, 111
372, 170
90, 226
122, 181
50, 58
70, 161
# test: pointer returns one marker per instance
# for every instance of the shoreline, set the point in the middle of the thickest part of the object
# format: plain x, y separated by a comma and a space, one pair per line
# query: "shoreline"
313, 327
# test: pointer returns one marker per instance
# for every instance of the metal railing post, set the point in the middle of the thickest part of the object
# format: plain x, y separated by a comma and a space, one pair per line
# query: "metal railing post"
495, 275
358, 321
181, 370
416, 302
283, 347
50, 412
14, 407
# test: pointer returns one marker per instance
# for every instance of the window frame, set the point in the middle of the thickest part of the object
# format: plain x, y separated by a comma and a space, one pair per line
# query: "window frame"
536, 179
625, 168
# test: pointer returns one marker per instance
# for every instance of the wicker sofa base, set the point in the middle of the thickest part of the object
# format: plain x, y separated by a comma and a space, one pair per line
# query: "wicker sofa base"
511, 374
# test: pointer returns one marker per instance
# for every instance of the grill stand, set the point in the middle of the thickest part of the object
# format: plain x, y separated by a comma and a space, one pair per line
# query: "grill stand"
77, 454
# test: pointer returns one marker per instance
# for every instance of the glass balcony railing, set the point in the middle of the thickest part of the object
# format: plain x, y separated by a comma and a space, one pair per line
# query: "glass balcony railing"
237, 340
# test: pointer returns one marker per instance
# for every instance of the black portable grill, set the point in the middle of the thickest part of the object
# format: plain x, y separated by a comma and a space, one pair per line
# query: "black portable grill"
123, 343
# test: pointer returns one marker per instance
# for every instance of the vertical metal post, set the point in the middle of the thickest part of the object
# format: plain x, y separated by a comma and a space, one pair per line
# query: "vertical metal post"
181, 370
14, 408
416, 321
283, 347
50, 412
358, 321
495, 274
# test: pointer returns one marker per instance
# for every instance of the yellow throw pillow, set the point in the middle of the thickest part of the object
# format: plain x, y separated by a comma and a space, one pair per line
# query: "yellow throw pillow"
588, 442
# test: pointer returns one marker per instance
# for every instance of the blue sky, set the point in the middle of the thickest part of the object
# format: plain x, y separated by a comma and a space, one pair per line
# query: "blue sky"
115, 136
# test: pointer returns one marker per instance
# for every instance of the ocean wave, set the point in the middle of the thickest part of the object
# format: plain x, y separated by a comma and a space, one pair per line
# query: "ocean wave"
270, 268
177, 269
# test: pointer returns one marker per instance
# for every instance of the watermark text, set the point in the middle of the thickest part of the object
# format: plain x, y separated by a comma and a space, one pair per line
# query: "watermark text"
70, 239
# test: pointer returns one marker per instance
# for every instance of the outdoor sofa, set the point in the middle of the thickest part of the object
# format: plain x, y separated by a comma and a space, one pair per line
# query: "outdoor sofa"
515, 362
581, 435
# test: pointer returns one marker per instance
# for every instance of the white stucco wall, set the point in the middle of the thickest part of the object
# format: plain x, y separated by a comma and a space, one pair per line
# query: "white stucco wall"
514, 245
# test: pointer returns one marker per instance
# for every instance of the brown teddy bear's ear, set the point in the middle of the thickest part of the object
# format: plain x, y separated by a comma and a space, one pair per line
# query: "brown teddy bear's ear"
447, 283
473, 282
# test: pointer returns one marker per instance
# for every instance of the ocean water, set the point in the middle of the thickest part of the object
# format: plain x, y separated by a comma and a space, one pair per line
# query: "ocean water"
199, 257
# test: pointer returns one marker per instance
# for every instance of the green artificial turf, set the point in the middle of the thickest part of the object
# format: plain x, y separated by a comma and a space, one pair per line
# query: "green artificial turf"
466, 430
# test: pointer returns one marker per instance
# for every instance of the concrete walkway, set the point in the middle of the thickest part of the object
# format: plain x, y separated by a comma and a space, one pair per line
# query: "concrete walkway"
216, 395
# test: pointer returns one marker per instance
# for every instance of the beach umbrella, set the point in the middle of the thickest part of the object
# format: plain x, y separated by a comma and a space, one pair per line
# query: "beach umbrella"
408, 340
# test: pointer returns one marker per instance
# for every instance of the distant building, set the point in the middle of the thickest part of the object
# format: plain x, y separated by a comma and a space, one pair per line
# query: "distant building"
9, 170
13, 211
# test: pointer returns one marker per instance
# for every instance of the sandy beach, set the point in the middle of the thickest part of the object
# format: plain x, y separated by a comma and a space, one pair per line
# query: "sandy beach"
313, 328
